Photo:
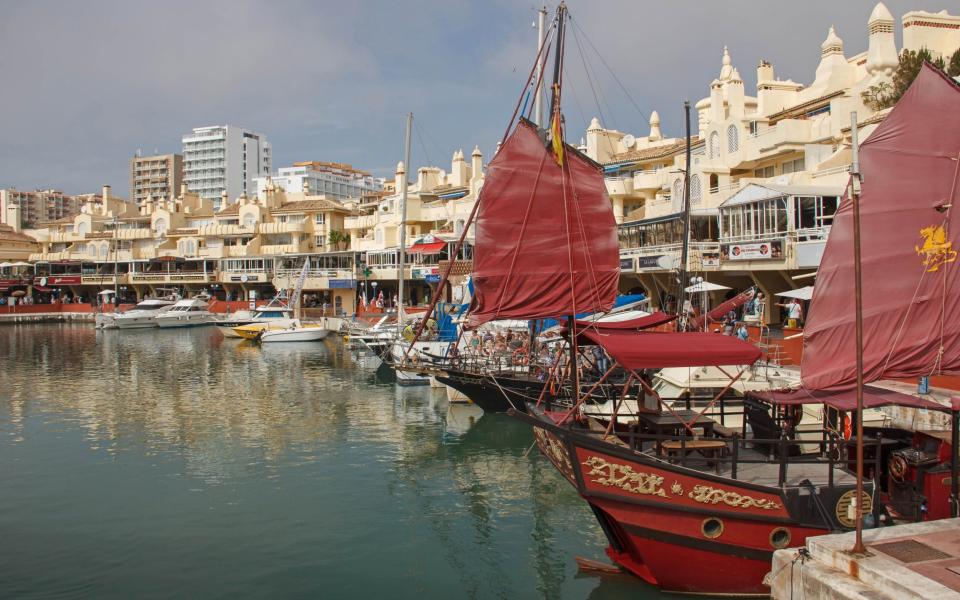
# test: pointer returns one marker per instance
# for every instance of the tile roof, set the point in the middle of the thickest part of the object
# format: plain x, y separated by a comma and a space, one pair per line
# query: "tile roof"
7, 234
231, 210
653, 153
310, 206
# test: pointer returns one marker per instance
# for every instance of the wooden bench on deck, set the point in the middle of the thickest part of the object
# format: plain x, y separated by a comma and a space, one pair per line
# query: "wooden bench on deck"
709, 449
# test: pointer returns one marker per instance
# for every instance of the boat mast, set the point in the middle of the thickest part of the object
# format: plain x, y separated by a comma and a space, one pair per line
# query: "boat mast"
403, 221
116, 259
685, 248
537, 102
855, 180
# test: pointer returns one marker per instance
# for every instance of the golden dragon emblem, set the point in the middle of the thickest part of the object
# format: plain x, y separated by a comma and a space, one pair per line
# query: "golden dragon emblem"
936, 251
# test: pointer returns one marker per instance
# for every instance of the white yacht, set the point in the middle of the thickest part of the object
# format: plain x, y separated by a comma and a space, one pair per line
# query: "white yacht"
270, 316
186, 313
143, 315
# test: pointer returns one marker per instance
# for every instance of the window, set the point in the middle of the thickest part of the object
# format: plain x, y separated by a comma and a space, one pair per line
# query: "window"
249, 220
695, 191
160, 226
81, 228
793, 166
678, 190
714, 145
104, 250
319, 219
733, 139
765, 172
814, 212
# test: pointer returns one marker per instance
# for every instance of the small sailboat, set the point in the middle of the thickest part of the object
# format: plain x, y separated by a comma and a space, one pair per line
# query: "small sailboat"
295, 330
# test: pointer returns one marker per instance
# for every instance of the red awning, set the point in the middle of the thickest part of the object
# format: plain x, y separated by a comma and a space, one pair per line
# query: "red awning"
646, 322
873, 397
720, 311
654, 350
431, 248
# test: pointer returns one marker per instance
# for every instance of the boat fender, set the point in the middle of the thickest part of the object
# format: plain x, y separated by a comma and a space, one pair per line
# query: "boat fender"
847, 429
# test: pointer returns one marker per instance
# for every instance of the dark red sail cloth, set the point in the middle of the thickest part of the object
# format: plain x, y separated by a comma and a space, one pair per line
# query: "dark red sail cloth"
546, 238
655, 350
722, 309
911, 288
646, 322
873, 397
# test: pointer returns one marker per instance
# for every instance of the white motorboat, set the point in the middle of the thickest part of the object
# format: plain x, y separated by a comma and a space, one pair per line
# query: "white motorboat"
186, 313
294, 333
270, 316
143, 315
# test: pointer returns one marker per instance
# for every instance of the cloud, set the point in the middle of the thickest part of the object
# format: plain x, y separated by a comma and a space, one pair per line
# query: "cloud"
88, 83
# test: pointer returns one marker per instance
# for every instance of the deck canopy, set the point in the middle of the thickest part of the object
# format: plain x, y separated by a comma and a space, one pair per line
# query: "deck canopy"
873, 397
654, 350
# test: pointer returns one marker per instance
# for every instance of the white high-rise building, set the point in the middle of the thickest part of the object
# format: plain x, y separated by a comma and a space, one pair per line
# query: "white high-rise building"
224, 158
338, 181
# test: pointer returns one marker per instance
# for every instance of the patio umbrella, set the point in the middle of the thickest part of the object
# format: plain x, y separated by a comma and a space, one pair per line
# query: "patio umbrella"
705, 286
804, 293
20, 264
4, 265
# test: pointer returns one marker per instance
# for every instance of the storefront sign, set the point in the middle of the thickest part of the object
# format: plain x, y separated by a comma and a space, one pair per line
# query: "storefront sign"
711, 259
342, 284
58, 280
432, 278
659, 261
626, 265
759, 251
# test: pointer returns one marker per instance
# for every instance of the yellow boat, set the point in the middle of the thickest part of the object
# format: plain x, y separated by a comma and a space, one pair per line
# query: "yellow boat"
251, 331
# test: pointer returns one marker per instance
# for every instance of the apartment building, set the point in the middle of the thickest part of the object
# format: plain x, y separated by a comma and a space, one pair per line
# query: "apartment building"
339, 181
27, 210
224, 158
157, 176
767, 170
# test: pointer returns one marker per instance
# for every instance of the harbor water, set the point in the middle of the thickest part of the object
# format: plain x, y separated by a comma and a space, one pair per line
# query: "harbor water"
175, 463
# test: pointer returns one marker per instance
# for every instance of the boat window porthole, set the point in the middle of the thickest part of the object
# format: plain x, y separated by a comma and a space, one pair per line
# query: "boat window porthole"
712, 528
780, 538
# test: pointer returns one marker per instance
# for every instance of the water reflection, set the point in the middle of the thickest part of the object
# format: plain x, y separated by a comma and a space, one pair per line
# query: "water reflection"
290, 451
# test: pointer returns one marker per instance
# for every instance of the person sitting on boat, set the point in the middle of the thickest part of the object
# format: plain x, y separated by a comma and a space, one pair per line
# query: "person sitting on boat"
742, 333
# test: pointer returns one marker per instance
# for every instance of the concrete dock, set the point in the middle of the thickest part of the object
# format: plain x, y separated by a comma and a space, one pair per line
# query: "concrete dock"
918, 561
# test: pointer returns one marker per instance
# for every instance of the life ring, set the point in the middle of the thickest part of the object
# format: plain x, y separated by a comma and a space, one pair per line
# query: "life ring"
794, 415
847, 428
898, 468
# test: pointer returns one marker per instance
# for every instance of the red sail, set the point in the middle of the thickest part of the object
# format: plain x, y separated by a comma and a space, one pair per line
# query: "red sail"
911, 289
546, 239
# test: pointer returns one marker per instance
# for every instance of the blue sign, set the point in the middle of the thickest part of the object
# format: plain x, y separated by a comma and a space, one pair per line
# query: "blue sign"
432, 278
342, 284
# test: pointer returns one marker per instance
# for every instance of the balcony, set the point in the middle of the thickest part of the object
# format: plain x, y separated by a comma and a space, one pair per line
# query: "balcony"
104, 279
360, 222
216, 230
317, 279
290, 227
647, 180
275, 249
768, 142
619, 186
139, 233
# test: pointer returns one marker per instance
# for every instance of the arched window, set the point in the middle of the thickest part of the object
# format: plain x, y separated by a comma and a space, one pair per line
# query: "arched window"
379, 236
733, 139
695, 191
81, 228
104, 250
458, 226
160, 226
714, 145
678, 190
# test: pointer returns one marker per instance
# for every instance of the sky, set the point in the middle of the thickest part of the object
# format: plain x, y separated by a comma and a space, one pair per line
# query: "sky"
85, 85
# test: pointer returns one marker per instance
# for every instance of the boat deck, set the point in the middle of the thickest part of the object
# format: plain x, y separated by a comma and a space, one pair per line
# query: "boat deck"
764, 473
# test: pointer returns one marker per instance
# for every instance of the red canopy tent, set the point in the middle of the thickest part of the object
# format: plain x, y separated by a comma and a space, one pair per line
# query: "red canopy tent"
646, 322
655, 350
873, 397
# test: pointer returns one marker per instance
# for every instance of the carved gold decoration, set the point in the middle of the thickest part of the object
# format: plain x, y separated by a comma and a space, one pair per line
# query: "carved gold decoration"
843, 508
676, 488
624, 477
936, 251
712, 495
554, 450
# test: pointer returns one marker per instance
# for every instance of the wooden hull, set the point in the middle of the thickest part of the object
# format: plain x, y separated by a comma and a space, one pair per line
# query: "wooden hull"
682, 529
491, 395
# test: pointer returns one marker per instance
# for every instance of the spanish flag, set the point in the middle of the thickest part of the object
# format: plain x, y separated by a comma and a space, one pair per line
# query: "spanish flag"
557, 134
